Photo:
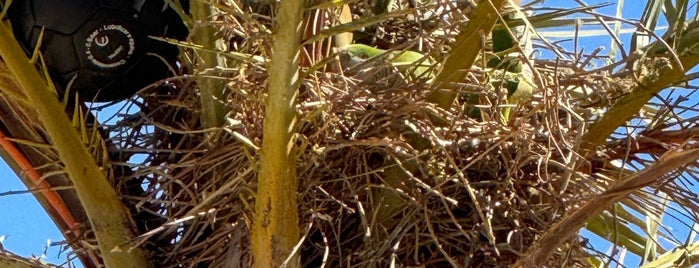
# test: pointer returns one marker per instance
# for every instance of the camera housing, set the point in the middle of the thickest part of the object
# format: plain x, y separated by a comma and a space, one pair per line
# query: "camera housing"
100, 49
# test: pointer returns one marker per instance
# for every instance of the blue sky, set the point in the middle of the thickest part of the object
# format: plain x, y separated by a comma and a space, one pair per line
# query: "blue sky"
25, 224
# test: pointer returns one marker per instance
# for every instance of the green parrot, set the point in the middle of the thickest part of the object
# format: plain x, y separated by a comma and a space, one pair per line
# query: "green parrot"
376, 65
519, 88
411, 64
504, 65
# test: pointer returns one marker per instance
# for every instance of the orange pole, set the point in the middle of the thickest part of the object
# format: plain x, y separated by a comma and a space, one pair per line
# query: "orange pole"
54, 200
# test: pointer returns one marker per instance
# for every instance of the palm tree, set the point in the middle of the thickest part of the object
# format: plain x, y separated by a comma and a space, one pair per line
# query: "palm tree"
438, 134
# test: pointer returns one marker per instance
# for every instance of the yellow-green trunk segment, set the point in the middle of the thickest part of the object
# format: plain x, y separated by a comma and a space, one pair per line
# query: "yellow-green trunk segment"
466, 48
108, 217
275, 229
213, 92
504, 65
630, 104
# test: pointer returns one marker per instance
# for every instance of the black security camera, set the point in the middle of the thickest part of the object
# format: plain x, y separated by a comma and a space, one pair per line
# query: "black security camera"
101, 49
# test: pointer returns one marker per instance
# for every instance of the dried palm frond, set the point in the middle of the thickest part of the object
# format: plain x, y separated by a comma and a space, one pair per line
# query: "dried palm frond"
26, 149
